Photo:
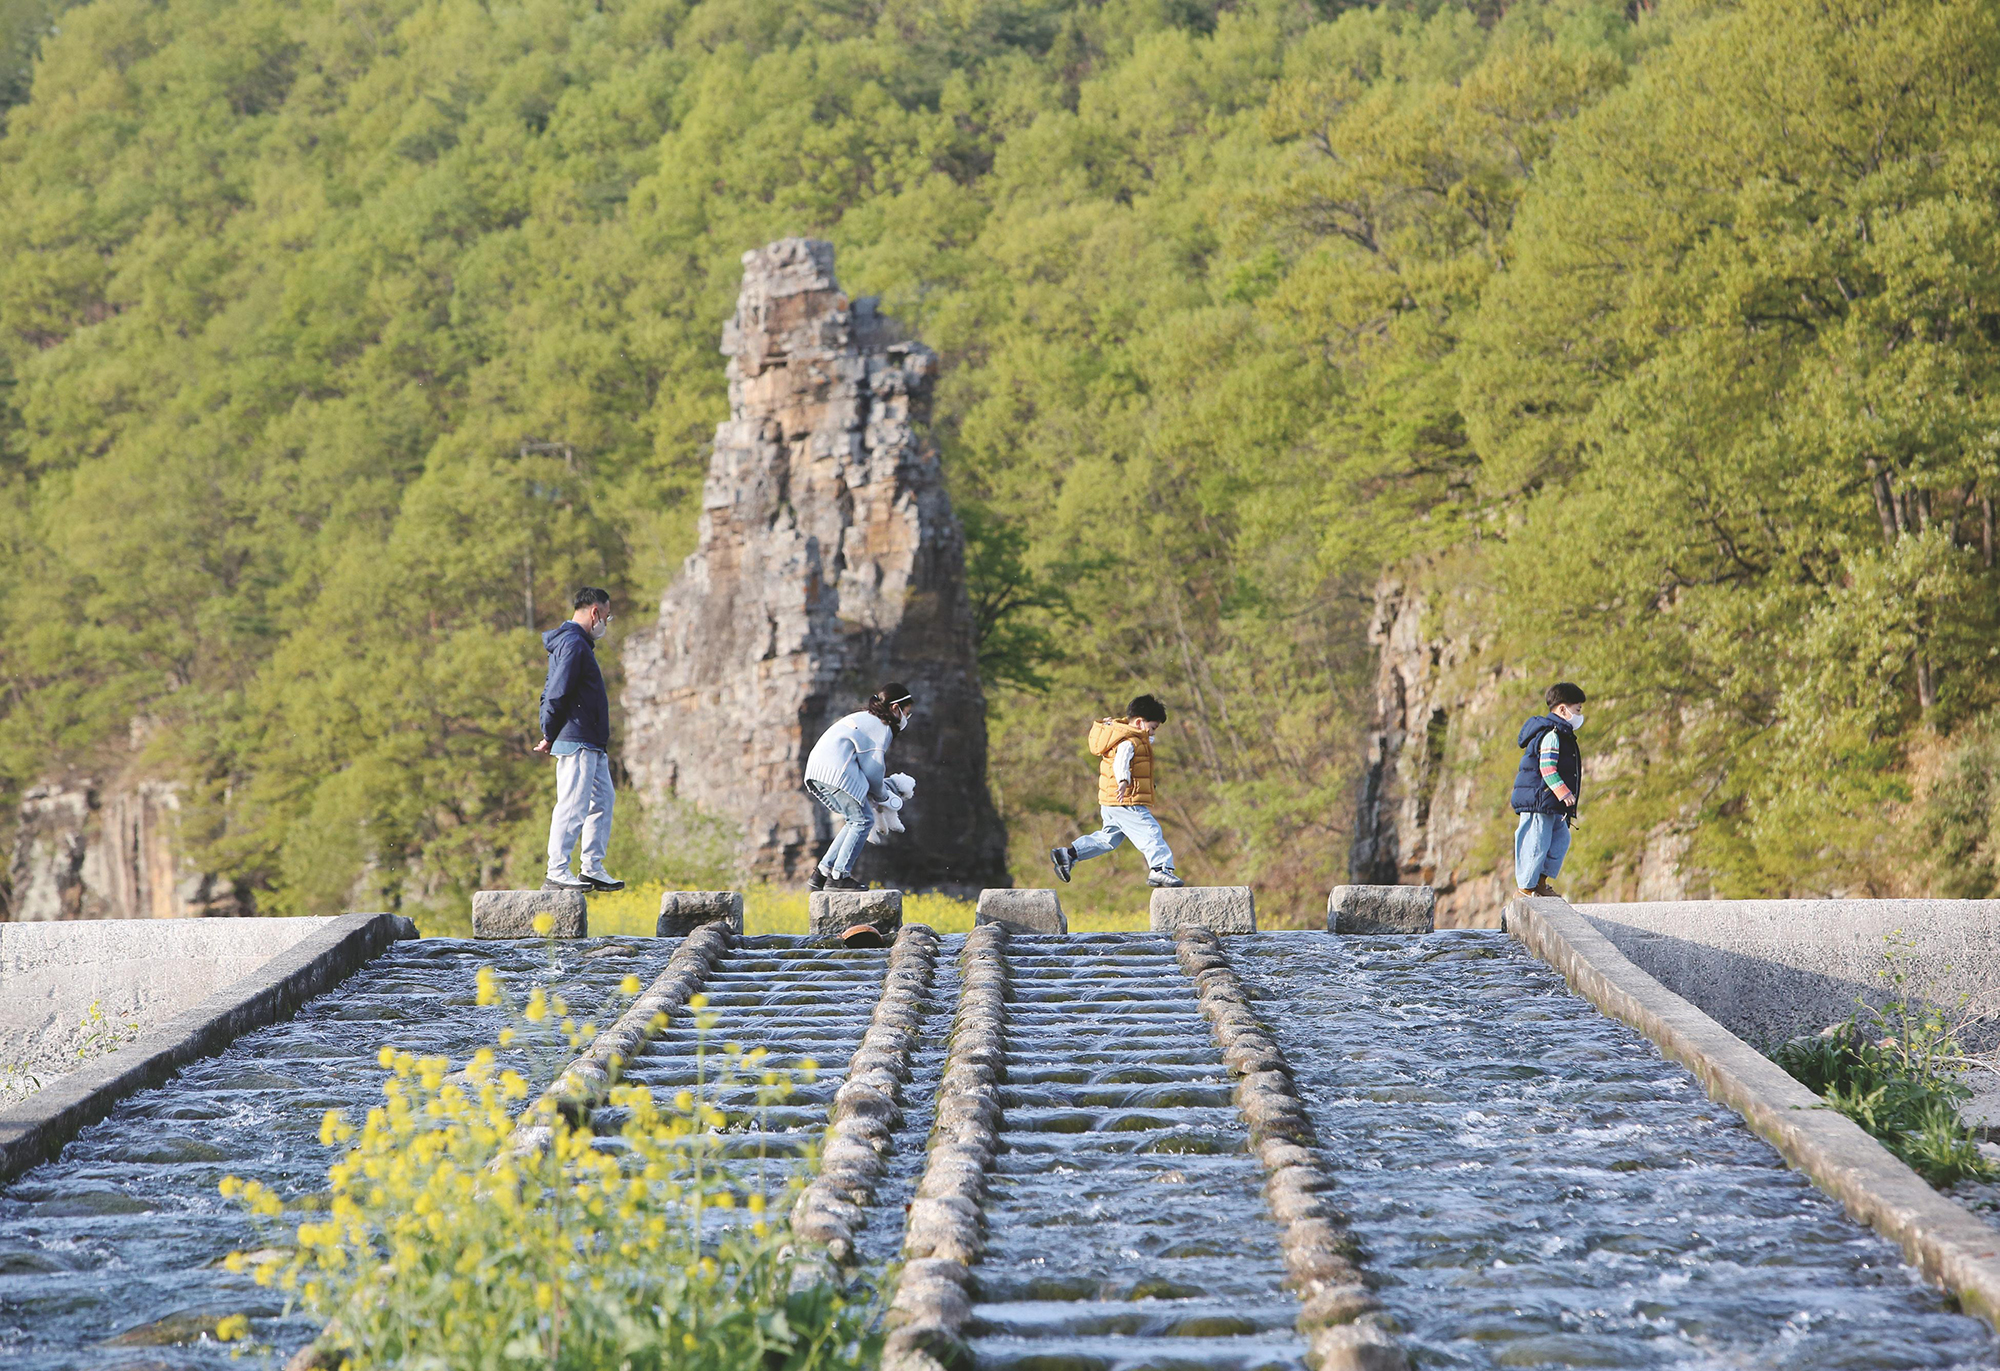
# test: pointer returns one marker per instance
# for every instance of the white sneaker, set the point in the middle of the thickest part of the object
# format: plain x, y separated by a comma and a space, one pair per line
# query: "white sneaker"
1164, 879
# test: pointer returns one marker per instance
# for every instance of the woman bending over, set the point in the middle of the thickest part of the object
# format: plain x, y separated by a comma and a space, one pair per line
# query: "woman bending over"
846, 772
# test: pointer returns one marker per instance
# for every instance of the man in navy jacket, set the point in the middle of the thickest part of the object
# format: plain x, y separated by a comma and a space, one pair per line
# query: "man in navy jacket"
576, 729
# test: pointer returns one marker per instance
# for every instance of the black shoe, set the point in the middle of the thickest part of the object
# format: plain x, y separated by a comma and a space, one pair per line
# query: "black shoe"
1064, 860
816, 881
565, 883
604, 882
844, 883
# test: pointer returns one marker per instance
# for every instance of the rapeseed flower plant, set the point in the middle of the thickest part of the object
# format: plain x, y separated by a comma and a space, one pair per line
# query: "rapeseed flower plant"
467, 1227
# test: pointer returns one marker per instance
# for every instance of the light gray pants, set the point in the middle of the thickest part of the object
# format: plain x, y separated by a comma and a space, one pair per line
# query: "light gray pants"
1123, 822
583, 805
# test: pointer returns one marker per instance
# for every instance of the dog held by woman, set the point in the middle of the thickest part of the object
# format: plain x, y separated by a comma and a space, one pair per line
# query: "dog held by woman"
847, 772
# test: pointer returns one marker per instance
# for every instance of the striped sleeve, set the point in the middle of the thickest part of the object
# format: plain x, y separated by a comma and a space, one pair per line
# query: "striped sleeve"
1551, 775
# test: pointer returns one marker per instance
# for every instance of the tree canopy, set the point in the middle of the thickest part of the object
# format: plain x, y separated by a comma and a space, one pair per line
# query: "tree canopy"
338, 341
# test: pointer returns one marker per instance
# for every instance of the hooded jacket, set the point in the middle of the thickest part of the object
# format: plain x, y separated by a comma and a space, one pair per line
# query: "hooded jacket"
575, 707
1531, 793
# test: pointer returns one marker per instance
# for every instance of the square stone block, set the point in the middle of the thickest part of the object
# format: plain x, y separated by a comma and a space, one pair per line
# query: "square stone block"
511, 913
1381, 909
835, 911
683, 911
1024, 911
1218, 908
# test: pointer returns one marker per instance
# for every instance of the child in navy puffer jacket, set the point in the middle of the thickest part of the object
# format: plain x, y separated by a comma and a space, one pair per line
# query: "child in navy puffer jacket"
1547, 786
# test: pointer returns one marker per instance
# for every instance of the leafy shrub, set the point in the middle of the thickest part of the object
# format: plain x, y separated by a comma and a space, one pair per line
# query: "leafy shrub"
442, 1242
1894, 1070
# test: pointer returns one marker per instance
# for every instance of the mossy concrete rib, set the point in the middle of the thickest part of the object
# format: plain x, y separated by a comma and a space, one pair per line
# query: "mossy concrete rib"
1941, 1239
36, 1129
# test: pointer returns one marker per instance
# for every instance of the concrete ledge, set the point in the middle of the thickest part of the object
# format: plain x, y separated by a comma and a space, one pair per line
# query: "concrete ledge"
36, 1130
683, 911
1938, 1237
137, 972
1024, 911
512, 913
1218, 908
1381, 909
833, 912
1769, 970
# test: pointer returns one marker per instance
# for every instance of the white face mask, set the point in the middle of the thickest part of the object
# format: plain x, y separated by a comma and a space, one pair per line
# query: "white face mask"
902, 719
598, 630
1575, 721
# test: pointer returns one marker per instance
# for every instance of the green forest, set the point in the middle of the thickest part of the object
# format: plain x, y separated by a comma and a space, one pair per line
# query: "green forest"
340, 339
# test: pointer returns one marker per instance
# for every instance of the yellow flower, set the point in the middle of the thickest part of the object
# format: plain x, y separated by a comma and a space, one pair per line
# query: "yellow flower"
538, 1007
231, 1328
629, 986
545, 924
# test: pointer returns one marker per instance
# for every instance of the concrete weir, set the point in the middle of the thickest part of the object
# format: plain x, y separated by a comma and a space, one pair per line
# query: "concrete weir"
1948, 1244
1201, 1146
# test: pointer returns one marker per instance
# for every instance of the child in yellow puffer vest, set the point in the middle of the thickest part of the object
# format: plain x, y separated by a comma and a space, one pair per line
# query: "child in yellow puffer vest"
1124, 752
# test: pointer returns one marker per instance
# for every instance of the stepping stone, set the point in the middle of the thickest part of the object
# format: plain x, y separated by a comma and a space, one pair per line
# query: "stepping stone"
683, 911
1381, 909
1218, 908
511, 913
833, 912
1023, 911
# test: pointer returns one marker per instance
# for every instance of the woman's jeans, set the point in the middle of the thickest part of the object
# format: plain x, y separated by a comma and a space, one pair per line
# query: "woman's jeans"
859, 816
1541, 841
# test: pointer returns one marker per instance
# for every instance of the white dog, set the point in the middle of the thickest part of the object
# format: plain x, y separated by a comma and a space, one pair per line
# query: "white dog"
888, 814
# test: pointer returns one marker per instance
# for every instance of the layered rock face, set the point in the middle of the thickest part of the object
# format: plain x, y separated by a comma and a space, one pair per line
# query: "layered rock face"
1432, 808
87, 850
829, 561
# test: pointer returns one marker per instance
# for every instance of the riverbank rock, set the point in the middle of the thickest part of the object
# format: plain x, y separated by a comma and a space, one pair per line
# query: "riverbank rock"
1218, 908
1024, 911
828, 561
683, 911
1381, 909
512, 913
833, 912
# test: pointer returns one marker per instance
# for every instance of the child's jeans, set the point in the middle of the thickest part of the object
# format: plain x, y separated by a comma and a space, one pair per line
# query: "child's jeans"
1121, 822
859, 816
1541, 841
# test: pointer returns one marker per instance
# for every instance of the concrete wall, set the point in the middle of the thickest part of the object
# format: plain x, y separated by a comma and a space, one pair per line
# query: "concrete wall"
137, 971
1768, 970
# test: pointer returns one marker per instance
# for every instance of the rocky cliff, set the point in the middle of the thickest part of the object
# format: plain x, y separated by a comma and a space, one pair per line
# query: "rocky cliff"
828, 561
85, 849
1428, 813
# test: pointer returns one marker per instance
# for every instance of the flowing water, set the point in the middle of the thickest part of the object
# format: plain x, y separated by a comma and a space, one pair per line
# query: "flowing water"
1533, 1184
801, 1002
1126, 1222
1537, 1187
110, 1255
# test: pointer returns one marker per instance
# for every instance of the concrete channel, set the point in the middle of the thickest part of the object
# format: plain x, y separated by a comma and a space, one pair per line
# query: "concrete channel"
1272, 1150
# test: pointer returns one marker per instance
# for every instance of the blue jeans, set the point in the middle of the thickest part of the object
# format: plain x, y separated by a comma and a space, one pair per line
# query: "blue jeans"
1122, 822
859, 817
1541, 841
